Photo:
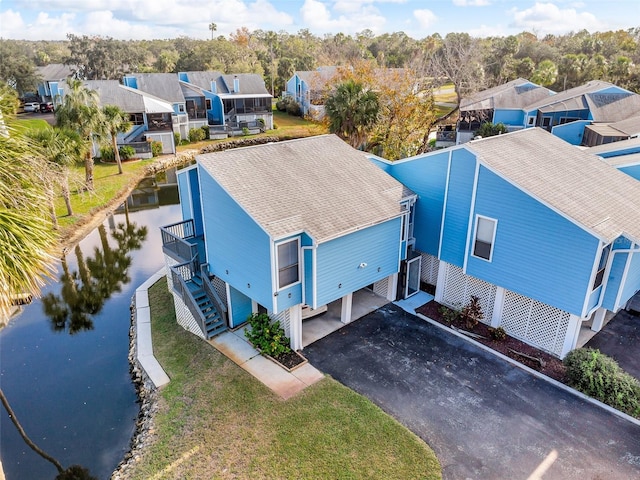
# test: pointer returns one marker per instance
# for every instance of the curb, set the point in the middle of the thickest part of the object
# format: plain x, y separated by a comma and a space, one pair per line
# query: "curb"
533, 372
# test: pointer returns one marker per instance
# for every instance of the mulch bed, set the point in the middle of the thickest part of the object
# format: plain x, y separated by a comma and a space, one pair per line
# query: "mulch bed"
290, 359
547, 364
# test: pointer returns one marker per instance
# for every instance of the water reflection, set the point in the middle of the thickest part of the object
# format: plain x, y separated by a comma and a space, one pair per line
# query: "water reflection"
85, 290
73, 393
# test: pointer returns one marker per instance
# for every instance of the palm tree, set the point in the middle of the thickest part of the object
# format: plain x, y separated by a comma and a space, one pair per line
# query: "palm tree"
213, 27
80, 112
352, 111
62, 148
115, 121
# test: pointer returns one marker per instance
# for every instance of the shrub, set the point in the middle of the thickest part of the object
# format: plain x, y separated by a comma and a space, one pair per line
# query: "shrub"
127, 152
156, 148
498, 334
275, 126
205, 129
600, 377
177, 139
106, 154
196, 135
472, 312
449, 315
293, 108
267, 336
245, 131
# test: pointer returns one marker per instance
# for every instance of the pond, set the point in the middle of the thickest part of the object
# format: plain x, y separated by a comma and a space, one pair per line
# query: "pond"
64, 359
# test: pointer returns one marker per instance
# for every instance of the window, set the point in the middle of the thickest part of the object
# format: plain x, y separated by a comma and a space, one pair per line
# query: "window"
485, 235
207, 103
602, 265
531, 121
546, 122
181, 108
287, 263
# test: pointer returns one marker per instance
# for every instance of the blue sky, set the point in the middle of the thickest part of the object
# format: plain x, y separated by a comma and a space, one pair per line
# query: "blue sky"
148, 19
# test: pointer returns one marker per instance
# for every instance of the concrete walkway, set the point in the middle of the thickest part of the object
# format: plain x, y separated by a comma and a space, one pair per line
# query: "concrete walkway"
234, 345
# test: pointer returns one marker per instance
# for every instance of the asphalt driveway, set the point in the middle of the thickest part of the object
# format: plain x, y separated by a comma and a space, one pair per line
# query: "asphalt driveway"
484, 418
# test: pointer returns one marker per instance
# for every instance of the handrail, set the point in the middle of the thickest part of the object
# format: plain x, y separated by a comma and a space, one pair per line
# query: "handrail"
186, 295
173, 240
211, 292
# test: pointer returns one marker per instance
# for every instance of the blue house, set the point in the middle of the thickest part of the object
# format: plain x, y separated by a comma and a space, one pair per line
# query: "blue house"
501, 104
230, 101
283, 227
566, 114
309, 88
53, 81
151, 117
544, 233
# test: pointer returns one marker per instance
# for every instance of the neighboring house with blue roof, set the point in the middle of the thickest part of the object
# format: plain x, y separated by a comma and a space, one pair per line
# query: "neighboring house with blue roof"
230, 102
53, 81
544, 233
282, 226
150, 116
567, 113
501, 104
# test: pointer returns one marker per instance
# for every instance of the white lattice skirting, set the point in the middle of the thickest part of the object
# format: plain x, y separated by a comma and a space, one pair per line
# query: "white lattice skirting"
183, 316
524, 318
285, 322
382, 287
429, 271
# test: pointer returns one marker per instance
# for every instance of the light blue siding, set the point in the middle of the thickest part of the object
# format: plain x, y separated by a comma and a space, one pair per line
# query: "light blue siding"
632, 171
456, 219
308, 277
594, 298
385, 166
339, 260
131, 82
241, 307
186, 201
427, 177
571, 132
509, 117
537, 252
196, 206
632, 283
616, 271
238, 250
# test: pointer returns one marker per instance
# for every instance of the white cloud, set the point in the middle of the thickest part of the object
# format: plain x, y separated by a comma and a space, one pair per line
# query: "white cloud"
544, 18
471, 3
426, 18
318, 18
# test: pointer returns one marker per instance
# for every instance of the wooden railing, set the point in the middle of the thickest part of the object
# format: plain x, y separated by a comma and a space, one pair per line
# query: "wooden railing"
174, 241
181, 288
211, 292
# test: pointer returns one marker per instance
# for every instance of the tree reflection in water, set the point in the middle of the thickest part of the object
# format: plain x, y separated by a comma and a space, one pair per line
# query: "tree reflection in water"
85, 291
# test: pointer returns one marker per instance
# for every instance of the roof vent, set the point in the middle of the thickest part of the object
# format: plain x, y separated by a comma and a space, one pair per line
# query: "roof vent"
236, 84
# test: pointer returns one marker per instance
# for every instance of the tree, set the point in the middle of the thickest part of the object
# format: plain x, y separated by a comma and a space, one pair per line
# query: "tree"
61, 148
17, 69
27, 241
115, 121
458, 60
352, 111
213, 27
545, 74
80, 112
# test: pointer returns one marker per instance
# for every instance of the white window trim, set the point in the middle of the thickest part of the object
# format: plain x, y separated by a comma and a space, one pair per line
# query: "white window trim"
493, 237
297, 240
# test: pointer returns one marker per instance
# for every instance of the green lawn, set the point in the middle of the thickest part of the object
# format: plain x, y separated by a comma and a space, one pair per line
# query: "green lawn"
23, 124
217, 421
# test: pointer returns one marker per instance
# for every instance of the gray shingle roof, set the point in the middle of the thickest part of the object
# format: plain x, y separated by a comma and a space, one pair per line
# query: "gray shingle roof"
572, 95
623, 160
317, 79
319, 185
612, 147
55, 71
613, 107
514, 94
130, 100
570, 180
203, 79
249, 83
162, 85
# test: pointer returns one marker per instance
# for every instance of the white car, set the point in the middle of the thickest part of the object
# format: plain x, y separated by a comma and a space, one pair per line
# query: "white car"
32, 107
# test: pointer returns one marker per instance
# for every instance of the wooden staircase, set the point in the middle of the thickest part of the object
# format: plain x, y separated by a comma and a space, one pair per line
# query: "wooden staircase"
214, 323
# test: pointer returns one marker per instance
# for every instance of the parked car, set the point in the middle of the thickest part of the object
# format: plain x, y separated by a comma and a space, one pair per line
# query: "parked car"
46, 107
31, 107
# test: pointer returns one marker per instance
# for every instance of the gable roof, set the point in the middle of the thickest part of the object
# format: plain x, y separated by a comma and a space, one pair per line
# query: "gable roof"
572, 181
55, 71
572, 99
130, 100
631, 143
319, 185
613, 107
318, 78
162, 85
249, 83
203, 79
514, 94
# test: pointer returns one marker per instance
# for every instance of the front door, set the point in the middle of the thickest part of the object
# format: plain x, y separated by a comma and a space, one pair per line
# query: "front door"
413, 276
